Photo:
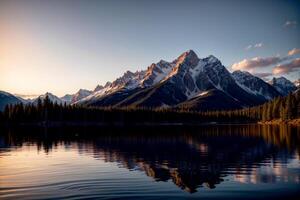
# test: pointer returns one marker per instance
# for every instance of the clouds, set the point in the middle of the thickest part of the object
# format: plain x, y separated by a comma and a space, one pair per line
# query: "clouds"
283, 64
293, 51
248, 64
287, 68
290, 24
259, 45
254, 46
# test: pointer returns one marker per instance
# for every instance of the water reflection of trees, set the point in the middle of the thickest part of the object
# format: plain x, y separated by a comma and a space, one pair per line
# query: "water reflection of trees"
189, 157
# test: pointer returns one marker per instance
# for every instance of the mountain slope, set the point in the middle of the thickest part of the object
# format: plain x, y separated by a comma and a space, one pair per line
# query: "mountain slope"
210, 100
283, 85
67, 98
7, 98
183, 82
192, 76
82, 93
110, 99
51, 97
130, 81
170, 84
255, 85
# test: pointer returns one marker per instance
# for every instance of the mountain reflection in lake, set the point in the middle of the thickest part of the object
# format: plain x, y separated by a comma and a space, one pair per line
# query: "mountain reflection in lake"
238, 161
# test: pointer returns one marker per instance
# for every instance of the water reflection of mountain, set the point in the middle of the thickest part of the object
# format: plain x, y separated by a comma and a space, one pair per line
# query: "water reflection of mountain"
189, 157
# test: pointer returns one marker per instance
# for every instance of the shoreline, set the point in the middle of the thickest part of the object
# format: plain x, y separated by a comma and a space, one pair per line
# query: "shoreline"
50, 124
280, 122
118, 124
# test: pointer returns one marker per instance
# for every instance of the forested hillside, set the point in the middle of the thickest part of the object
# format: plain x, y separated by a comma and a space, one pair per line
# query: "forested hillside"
284, 108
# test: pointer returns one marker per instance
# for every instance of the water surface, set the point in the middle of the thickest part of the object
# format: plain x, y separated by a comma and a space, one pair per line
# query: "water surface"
212, 162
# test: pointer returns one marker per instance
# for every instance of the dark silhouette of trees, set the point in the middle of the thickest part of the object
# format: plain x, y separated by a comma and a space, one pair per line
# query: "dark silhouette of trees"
45, 112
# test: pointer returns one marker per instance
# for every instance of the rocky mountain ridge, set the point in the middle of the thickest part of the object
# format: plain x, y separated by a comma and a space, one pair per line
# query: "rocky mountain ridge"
187, 81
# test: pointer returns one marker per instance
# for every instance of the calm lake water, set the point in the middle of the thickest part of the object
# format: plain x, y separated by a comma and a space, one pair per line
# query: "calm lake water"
209, 162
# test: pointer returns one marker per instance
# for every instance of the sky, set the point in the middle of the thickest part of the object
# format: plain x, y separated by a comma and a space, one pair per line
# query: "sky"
60, 46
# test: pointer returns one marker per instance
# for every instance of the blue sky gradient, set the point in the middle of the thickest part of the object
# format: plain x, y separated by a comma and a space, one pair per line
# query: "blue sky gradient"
61, 46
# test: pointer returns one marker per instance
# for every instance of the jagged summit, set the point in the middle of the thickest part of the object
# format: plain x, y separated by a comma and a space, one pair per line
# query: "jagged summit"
189, 57
51, 97
243, 73
283, 85
188, 81
82, 93
281, 80
108, 83
98, 87
255, 85
188, 54
212, 59
170, 83
197, 83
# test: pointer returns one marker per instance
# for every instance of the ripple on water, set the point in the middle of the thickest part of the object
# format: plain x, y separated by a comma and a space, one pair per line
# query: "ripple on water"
173, 167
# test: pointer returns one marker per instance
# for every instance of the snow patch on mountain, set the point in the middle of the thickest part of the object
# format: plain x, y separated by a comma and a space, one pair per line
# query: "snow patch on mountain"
51, 97
283, 85
242, 77
82, 93
254, 85
156, 73
203, 93
67, 98
186, 77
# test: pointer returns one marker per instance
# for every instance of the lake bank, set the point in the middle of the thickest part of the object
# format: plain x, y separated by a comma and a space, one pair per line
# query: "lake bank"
280, 121
54, 124
118, 124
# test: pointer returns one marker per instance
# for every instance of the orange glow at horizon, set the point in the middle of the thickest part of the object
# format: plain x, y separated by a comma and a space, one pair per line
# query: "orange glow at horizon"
20, 58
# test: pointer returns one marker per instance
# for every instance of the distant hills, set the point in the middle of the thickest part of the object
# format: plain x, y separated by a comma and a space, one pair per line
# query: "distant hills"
188, 81
7, 98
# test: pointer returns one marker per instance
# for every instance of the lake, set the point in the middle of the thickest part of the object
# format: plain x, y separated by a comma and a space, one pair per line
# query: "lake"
208, 162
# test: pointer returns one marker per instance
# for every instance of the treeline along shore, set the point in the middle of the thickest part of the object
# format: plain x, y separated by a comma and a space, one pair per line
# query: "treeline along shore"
46, 113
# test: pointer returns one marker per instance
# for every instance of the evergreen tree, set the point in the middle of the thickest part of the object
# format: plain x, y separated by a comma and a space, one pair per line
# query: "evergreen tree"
289, 107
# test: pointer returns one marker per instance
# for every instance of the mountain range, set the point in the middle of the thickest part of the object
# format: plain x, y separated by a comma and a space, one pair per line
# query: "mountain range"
186, 82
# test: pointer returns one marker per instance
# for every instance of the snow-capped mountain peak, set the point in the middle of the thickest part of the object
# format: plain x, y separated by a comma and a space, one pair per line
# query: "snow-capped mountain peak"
187, 77
67, 98
199, 83
129, 80
283, 85
297, 83
212, 59
82, 93
189, 58
156, 73
254, 85
282, 81
98, 87
51, 97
